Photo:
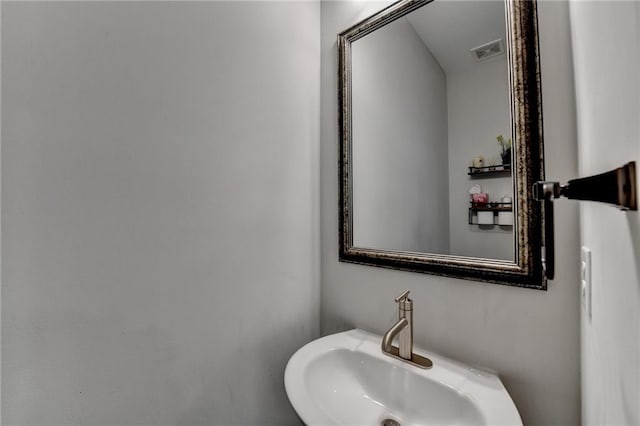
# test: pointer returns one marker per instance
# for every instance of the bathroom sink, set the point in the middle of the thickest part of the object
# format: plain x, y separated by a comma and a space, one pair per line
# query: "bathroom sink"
345, 379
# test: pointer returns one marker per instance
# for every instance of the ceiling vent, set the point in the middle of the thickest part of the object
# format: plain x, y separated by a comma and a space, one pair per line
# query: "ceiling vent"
488, 50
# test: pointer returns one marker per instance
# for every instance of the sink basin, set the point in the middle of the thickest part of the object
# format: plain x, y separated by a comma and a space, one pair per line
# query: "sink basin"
345, 379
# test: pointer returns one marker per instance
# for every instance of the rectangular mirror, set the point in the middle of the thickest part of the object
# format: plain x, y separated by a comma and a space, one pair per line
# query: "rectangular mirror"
441, 140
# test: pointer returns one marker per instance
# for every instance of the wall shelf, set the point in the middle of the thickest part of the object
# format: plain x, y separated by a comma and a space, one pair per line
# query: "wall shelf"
493, 207
488, 171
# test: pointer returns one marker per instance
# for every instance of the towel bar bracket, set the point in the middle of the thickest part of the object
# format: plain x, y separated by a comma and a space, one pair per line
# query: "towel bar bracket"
616, 187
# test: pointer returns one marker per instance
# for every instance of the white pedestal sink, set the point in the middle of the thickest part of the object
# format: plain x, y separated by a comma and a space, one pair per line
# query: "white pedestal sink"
345, 379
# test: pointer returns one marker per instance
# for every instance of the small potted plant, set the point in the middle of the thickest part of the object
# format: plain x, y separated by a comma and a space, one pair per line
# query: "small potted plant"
505, 149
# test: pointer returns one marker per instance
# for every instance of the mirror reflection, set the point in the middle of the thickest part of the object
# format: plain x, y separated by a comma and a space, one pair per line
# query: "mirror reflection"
431, 133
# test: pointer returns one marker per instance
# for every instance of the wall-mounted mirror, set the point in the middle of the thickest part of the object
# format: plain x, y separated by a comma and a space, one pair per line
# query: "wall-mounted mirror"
441, 140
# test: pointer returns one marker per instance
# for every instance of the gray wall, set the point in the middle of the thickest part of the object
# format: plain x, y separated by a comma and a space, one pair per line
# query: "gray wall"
478, 105
400, 165
608, 99
530, 337
159, 189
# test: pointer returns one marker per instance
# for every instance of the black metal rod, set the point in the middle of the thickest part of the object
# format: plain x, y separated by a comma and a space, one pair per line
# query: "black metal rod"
549, 255
617, 187
614, 187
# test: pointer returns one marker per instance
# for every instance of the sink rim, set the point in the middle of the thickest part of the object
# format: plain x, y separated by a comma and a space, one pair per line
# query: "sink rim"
485, 389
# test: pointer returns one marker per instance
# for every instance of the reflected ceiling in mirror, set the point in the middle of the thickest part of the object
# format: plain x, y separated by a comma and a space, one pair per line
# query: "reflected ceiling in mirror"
432, 96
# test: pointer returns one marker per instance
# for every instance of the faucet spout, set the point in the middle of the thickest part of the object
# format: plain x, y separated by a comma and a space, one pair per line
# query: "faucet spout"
387, 340
404, 330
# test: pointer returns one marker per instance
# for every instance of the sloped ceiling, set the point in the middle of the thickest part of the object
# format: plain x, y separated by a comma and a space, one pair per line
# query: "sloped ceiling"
450, 28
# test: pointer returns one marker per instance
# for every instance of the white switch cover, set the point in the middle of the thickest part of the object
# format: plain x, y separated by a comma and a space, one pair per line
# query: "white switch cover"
585, 276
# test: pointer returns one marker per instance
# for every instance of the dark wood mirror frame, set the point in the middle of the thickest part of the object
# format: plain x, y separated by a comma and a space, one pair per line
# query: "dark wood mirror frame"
526, 117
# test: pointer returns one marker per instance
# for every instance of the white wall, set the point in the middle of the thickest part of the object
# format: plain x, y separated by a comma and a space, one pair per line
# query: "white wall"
606, 46
400, 167
530, 337
159, 190
478, 105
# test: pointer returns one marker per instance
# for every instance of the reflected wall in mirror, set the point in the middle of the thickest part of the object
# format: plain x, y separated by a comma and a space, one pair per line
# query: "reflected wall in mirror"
432, 95
424, 105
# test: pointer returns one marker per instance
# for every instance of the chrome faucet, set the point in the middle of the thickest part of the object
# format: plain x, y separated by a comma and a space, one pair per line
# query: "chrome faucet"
404, 330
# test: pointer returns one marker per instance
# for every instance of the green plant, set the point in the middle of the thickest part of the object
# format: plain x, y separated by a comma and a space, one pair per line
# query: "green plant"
505, 145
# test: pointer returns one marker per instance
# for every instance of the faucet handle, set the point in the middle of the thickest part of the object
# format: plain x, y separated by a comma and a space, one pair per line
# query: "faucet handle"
403, 297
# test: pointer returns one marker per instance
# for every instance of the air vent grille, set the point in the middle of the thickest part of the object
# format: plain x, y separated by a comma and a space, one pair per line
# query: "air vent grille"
488, 50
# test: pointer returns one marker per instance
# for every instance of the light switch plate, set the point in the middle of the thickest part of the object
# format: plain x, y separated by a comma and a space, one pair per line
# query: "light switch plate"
585, 277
